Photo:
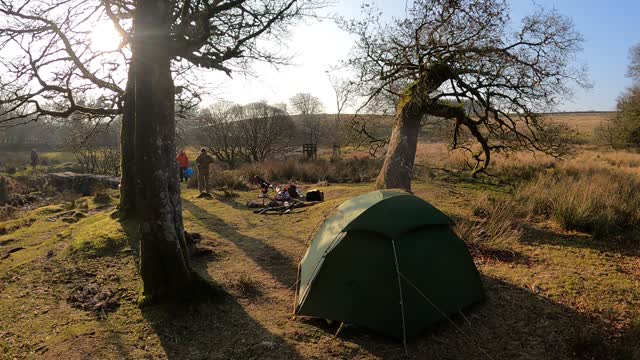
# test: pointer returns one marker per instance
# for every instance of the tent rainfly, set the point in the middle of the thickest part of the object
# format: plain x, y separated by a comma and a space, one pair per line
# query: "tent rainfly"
387, 261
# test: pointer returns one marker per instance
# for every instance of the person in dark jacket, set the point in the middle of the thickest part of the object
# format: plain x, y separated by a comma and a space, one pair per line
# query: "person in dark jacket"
203, 161
34, 160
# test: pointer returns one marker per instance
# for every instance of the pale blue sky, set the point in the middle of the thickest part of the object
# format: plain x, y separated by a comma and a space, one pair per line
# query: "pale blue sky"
610, 28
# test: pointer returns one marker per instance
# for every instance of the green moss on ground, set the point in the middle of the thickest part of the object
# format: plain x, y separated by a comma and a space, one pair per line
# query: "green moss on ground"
99, 235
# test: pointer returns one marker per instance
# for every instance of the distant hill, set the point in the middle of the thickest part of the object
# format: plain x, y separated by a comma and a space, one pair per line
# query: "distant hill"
583, 121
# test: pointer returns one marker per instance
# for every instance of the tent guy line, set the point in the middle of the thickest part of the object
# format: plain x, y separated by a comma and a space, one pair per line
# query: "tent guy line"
446, 317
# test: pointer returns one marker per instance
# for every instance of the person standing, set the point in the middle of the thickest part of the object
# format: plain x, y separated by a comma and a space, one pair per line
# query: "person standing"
34, 160
203, 161
183, 164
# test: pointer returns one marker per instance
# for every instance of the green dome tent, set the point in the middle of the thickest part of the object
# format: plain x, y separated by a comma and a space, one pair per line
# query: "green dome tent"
387, 261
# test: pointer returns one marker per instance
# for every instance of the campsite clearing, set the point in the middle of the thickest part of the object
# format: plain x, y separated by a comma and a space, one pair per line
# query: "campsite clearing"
552, 293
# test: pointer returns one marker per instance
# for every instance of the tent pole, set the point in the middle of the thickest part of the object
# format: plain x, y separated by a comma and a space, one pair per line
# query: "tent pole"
404, 329
295, 295
339, 328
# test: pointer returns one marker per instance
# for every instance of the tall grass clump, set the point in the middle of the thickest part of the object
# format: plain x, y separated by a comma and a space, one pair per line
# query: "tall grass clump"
597, 200
494, 225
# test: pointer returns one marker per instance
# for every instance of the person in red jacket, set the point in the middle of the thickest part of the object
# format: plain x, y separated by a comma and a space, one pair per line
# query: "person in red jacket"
183, 164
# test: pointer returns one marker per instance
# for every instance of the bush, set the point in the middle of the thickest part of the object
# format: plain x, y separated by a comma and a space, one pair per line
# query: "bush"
7, 212
221, 180
229, 180
596, 200
4, 190
101, 195
70, 198
354, 170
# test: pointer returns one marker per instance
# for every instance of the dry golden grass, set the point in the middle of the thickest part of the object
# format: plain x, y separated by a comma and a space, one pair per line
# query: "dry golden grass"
493, 225
601, 201
583, 123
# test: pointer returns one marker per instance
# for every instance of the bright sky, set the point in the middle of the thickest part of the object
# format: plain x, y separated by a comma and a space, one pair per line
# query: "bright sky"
610, 28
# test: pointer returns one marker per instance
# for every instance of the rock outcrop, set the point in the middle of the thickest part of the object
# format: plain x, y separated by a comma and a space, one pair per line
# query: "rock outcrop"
81, 183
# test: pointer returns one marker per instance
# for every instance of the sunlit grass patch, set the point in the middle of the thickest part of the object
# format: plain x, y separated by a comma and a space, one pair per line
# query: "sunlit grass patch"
99, 235
596, 200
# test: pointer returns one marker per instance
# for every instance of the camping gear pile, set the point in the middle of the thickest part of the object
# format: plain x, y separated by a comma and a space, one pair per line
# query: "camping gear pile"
286, 198
387, 261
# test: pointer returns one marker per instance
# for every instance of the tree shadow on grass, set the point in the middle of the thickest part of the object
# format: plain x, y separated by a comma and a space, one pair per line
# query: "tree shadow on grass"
220, 329
227, 197
513, 323
266, 256
230, 201
537, 236
217, 329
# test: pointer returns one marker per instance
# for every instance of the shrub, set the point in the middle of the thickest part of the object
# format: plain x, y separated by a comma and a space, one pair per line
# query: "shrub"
7, 212
353, 170
596, 200
101, 195
221, 180
227, 180
4, 190
70, 198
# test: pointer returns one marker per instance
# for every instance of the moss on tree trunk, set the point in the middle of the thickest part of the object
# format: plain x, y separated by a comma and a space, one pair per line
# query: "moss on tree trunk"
397, 170
164, 258
127, 207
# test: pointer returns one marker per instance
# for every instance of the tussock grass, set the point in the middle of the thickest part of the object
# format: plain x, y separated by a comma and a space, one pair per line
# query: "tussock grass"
246, 286
597, 200
493, 226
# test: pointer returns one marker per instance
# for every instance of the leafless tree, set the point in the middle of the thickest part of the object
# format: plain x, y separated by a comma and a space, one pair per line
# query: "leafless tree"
48, 61
56, 62
265, 131
249, 133
634, 67
623, 130
95, 145
446, 52
343, 91
219, 132
307, 105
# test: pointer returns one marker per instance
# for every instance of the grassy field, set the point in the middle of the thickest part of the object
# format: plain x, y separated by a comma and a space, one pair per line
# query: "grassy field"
583, 122
550, 291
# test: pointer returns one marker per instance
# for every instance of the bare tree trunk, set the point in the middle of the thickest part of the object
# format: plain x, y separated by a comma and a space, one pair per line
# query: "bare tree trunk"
397, 169
164, 255
127, 207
